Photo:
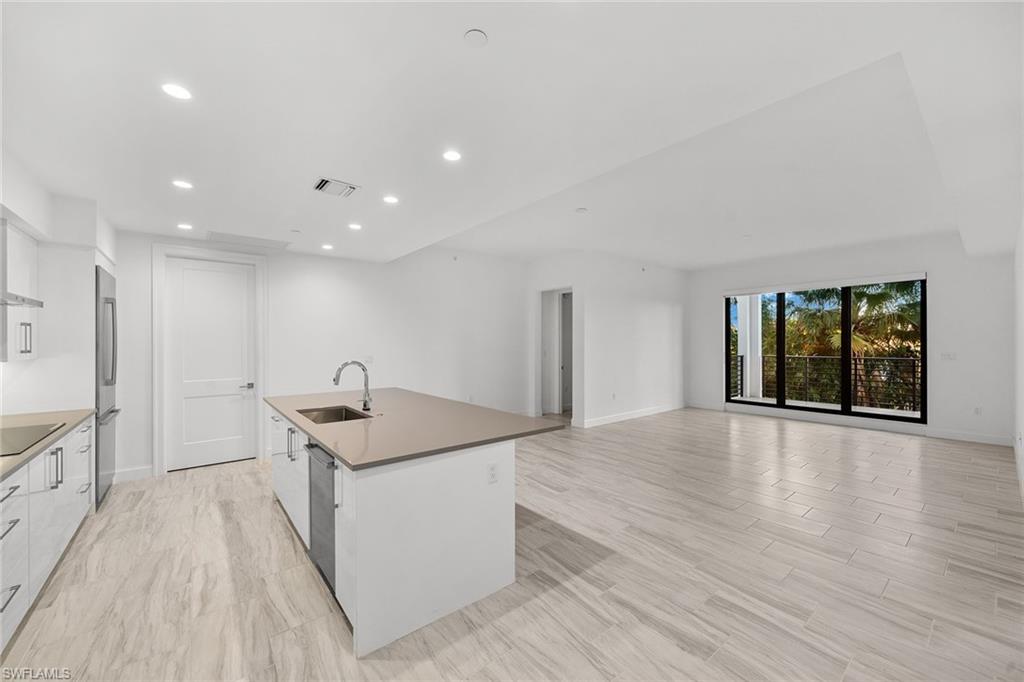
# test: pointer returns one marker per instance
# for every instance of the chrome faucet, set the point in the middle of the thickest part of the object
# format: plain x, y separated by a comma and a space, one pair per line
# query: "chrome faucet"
366, 381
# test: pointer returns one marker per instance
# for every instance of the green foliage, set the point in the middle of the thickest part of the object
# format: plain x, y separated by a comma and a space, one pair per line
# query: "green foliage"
885, 339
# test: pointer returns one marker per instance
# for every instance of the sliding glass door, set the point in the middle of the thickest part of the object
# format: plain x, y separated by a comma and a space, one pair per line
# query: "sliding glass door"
856, 350
751, 327
886, 348
813, 339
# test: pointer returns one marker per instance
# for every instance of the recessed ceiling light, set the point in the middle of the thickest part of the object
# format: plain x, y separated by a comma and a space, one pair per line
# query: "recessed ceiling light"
474, 37
184, 226
390, 199
327, 247
176, 91
355, 226
182, 184
452, 155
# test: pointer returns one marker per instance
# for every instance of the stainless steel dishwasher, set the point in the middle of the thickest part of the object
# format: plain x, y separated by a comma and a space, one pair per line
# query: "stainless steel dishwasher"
321, 510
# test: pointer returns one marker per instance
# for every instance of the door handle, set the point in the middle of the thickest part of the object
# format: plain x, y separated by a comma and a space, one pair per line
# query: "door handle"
248, 385
10, 526
13, 591
10, 491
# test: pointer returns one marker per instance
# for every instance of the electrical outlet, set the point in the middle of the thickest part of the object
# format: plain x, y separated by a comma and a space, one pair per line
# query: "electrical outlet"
948, 356
492, 474
977, 410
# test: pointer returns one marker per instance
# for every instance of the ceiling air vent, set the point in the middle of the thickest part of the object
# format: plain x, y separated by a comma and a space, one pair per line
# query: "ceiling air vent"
336, 188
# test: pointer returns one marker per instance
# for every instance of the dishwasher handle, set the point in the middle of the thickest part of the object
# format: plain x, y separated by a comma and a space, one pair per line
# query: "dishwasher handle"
321, 456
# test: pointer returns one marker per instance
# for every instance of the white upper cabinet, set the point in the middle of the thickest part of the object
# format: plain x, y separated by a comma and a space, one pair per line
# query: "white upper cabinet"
19, 280
22, 261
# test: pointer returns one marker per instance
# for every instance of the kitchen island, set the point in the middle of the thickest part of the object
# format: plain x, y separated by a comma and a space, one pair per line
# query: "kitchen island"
422, 491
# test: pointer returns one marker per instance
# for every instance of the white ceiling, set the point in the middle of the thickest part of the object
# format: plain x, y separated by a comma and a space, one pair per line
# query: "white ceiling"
681, 127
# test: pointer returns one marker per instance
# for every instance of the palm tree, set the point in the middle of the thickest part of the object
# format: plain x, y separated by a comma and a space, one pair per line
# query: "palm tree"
885, 322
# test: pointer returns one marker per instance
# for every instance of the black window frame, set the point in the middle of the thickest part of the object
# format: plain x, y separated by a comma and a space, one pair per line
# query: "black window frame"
846, 360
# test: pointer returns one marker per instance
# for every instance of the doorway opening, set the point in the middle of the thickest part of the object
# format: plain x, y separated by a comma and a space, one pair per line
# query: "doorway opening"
557, 354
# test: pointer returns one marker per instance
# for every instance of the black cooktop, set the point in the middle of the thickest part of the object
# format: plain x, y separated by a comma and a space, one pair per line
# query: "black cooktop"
15, 440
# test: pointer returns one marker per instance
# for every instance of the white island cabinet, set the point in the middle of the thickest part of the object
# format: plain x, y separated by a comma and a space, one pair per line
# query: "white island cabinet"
290, 473
423, 503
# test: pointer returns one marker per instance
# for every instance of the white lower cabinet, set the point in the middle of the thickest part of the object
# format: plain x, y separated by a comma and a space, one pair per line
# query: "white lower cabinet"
290, 472
15, 595
41, 507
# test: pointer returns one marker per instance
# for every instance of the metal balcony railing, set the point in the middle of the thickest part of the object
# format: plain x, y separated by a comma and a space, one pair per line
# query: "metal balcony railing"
877, 382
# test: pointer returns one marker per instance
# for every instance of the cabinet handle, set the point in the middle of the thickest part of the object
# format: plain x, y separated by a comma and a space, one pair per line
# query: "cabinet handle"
86, 429
10, 491
60, 460
85, 488
13, 591
26, 337
10, 526
275, 418
51, 481
85, 448
291, 438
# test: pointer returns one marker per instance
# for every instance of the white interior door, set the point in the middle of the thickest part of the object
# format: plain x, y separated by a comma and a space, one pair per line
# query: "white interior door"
210, 359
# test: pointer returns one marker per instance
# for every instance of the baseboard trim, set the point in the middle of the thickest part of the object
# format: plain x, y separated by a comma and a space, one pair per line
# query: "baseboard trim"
969, 436
855, 422
133, 474
624, 416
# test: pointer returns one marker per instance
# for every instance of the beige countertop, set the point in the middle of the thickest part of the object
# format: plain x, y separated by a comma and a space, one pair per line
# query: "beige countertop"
71, 419
405, 425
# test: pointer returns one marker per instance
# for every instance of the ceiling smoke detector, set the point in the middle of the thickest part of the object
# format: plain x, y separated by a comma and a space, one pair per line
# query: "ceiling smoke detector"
336, 188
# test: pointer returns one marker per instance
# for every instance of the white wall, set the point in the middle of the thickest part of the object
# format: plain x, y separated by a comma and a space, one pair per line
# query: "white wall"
627, 335
970, 315
438, 321
21, 193
63, 376
1018, 443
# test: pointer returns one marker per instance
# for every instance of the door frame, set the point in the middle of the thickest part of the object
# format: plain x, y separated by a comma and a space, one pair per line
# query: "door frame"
536, 403
161, 253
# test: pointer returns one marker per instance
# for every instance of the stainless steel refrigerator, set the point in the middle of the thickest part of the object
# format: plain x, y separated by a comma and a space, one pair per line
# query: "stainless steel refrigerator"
106, 380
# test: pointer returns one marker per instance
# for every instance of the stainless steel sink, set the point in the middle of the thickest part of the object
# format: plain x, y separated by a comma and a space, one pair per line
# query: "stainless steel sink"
328, 415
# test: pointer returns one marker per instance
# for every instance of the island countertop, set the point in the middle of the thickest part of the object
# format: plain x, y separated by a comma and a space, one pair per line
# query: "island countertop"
70, 419
404, 425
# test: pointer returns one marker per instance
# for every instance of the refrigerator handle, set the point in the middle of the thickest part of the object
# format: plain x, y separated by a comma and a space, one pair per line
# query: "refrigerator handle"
113, 340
